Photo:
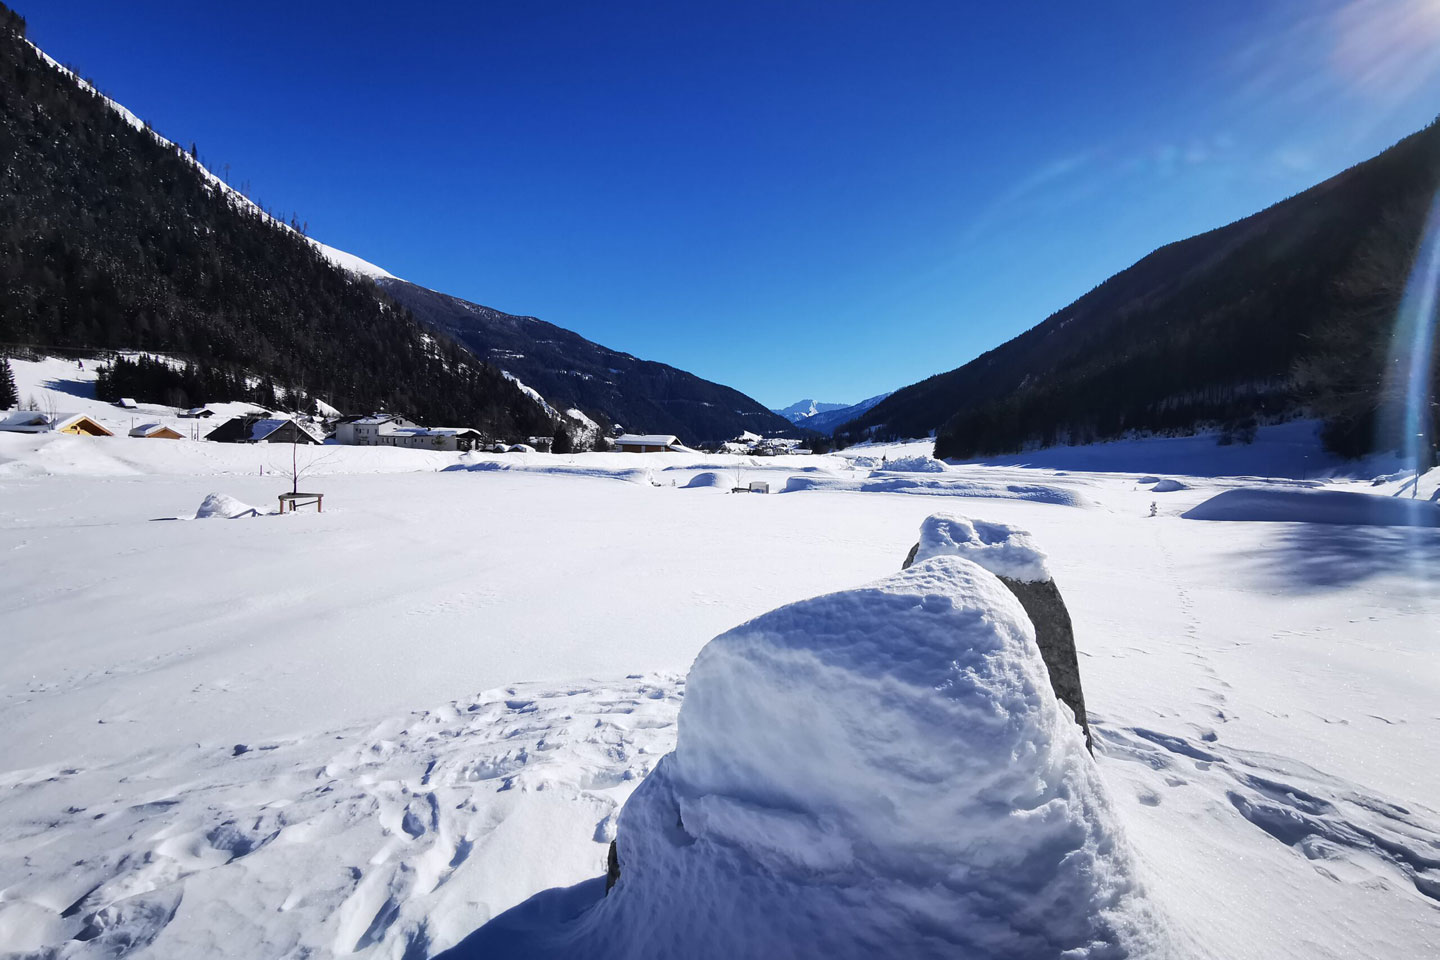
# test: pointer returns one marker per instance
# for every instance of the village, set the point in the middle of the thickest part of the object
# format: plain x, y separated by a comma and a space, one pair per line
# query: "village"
245, 423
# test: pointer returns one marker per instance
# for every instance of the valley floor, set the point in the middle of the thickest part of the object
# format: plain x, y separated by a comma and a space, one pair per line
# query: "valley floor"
369, 730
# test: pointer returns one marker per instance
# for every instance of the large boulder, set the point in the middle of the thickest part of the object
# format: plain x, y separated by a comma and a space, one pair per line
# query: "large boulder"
1011, 554
882, 772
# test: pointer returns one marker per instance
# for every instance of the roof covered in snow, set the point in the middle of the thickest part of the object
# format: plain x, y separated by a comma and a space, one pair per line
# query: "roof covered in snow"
647, 440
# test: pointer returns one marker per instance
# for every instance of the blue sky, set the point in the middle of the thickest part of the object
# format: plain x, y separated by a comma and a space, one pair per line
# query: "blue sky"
797, 199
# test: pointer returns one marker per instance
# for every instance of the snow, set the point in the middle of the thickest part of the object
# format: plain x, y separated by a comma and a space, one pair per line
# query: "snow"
1169, 485
531, 392
1261, 693
1316, 506
1004, 550
919, 463
878, 772
224, 506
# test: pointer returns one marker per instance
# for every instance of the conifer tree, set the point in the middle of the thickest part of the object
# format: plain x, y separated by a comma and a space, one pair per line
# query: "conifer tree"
9, 396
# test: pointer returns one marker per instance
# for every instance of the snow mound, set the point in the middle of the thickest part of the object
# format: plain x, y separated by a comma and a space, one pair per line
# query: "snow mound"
707, 478
225, 507
949, 486
1316, 506
878, 772
1168, 485
1004, 550
920, 463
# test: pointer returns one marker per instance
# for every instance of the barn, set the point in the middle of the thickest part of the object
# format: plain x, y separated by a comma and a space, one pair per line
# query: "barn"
260, 430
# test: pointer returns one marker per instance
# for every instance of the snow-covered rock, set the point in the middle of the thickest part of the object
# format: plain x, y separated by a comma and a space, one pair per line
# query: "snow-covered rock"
878, 772
1169, 485
1004, 550
225, 507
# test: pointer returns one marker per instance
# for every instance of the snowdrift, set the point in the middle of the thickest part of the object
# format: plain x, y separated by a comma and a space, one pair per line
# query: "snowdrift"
1316, 506
950, 486
920, 463
223, 506
878, 772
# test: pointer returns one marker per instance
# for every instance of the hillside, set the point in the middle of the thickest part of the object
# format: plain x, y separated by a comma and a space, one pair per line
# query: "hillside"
1287, 310
570, 371
113, 237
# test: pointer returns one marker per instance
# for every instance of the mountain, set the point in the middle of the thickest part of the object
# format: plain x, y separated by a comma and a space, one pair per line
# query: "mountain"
827, 420
113, 237
1288, 311
803, 410
572, 372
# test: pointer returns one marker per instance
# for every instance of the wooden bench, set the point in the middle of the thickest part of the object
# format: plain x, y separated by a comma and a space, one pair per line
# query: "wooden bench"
302, 500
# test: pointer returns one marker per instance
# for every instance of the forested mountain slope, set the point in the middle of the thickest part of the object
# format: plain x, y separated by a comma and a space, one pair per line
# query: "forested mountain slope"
111, 237
1287, 310
572, 372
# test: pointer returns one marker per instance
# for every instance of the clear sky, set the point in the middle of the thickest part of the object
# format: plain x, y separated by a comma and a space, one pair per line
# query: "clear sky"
799, 199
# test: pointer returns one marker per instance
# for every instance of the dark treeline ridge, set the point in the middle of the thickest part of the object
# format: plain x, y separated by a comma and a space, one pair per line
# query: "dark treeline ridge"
156, 380
1287, 312
110, 238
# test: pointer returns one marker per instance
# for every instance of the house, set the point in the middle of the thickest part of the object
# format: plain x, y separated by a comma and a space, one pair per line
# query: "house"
431, 438
127, 402
155, 431
253, 429
541, 444
198, 413
33, 421
365, 431
647, 443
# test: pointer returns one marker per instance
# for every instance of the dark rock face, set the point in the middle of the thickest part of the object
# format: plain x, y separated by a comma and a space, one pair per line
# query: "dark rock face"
1055, 636
1056, 639
612, 866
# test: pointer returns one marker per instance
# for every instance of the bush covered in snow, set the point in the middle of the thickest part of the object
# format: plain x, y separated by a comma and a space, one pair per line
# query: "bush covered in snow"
878, 772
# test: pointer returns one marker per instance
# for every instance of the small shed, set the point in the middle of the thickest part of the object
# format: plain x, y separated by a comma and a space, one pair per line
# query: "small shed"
127, 402
156, 431
198, 413
759, 486
647, 443
33, 421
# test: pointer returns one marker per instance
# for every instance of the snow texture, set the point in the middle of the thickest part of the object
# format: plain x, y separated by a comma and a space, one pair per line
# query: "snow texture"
1317, 506
1169, 485
1004, 550
878, 772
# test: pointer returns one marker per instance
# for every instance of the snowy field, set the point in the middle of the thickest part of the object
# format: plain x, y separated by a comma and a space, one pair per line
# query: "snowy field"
370, 730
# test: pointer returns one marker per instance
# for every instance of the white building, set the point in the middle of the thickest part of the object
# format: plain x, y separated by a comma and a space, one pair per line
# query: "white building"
648, 443
430, 438
365, 431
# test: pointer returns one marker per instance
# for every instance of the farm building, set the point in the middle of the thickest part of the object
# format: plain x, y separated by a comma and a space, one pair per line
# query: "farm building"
127, 402
198, 413
260, 430
156, 431
431, 438
32, 421
647, 443
366, 431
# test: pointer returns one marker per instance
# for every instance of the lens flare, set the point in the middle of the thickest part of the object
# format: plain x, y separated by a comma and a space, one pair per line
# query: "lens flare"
1413, 349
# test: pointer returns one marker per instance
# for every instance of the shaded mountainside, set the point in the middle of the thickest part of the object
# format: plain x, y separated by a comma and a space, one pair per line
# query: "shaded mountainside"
111, 237
572, 372
1287, 310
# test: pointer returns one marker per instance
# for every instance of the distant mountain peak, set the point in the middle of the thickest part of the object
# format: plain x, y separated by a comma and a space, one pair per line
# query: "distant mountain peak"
805, 409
